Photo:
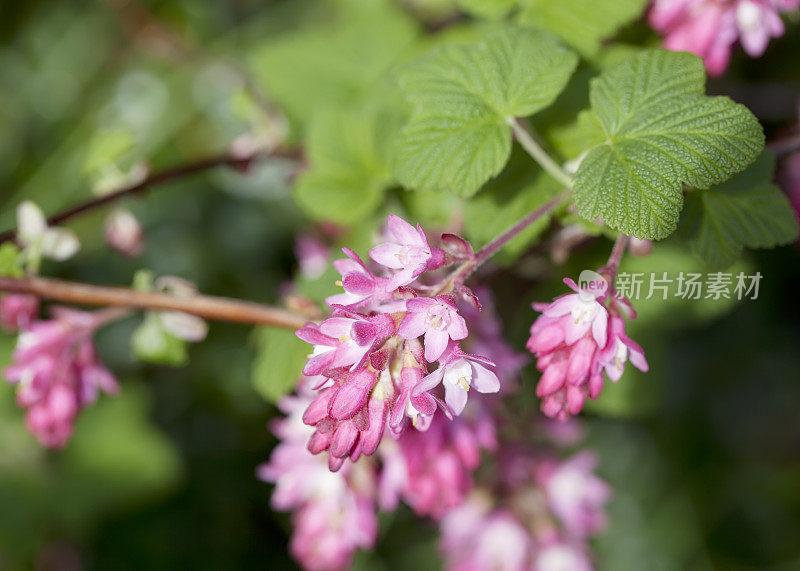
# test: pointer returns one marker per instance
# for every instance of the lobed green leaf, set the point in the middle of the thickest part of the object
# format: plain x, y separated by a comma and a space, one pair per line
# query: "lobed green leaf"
463, 95
745, 211
661, 132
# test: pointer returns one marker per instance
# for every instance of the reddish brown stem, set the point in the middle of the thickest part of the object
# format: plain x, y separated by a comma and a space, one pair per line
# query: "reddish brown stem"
180, 171
209, 307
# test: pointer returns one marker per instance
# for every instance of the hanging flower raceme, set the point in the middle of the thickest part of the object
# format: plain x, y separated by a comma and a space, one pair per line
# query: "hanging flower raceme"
575, 340
334, 514
375, 371
540, 516
710, 28
57, 371
432, 471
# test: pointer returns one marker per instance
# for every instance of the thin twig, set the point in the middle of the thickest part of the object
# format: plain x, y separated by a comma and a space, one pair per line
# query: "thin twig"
209, 307
609, 271
180, 171
539, 155
465, 269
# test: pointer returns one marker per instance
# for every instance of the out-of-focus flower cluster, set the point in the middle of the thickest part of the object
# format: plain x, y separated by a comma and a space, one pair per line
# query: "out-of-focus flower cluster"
371, 360
54, 366
711, 28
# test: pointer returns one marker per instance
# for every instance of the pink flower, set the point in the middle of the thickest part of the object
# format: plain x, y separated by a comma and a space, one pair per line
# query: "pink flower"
758, 21
573, 343
486, 338
576, 496
438, 319
334, 512
409, 253
124, 233
360, 285
710, 28
458, 372
619, 349
789, 179
58, 373
312, 255
475, 538
17, 311
350, 416
565, 339
435, 474
561, 557
418, 407
344, 341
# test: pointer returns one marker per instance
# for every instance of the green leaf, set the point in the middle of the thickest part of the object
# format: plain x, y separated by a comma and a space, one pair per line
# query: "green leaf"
582, 24
489, 9
661, 132
520, 189
10, 265
334, 61
348, 154
747, 210
463, 96
151, 343
278, 363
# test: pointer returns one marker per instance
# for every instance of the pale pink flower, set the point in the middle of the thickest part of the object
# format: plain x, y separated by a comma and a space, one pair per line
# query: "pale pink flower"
124, 233
436, 473
407, 251
17, 311
758, 21
459, 372
576, 495
710, 28
619, 349
435, 318
473, 538
334, 513
312, 255
360, 285
57, 372
561, 557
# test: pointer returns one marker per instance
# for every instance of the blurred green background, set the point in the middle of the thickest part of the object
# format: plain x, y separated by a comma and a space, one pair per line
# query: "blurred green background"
703, 452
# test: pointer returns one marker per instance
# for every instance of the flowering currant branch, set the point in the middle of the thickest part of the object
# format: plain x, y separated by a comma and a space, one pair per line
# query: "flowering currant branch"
209, 307
235, 160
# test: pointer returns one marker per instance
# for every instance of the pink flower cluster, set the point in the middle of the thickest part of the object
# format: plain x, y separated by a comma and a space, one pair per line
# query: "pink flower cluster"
432, 471
371, 358
710, 28
333, 513
551, 510
54, 366
575, 340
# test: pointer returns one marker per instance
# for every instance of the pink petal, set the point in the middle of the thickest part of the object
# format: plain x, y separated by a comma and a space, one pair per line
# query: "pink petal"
386, 255
403, 231
484, 380
435, 344
456, 397
412, 326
